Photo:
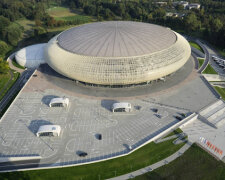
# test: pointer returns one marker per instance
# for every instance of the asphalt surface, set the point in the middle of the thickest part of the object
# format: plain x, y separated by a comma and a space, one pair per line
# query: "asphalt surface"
207, 56
15, 88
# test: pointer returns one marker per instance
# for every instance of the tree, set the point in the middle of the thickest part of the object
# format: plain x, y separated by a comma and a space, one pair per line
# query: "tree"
3, 48
159, 13
38, 22
89, 9
4, 66
179, 7
38, 30
13, 34
216, 25
192, 23
120, 9
4, 23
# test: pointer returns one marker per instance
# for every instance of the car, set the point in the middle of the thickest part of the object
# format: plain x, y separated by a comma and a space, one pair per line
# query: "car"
178, 118
154, 110
99, 136
183, 115
83, 154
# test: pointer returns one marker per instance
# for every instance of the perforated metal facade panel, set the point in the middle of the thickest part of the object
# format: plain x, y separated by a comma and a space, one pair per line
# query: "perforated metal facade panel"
118, 70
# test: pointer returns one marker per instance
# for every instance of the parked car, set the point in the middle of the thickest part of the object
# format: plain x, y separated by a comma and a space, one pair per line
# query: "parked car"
83, 154
178, 118
99, 136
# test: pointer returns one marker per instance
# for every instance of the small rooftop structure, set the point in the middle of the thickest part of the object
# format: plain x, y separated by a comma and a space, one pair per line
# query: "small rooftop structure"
183, 3
121, 107
59, 102
161, 3
194, 6
49, 130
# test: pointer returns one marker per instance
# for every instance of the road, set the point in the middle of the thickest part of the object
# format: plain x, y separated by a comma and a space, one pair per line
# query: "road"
15, 88
19, 165
206, 62
209, 51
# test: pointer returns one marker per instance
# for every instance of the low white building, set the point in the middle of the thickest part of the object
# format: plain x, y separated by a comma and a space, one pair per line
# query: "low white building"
121, 107
59, 102
31, 56
183, 3
49, 130
161, 3
194, 6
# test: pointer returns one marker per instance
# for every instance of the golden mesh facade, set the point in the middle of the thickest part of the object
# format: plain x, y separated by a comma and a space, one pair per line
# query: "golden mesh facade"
118, 70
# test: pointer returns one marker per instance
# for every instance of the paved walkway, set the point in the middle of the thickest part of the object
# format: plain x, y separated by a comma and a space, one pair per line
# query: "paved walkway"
10, 58
206, 62
156, 165
180, 135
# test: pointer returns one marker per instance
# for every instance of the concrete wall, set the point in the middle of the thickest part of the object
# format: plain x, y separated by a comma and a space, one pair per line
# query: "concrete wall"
214, 77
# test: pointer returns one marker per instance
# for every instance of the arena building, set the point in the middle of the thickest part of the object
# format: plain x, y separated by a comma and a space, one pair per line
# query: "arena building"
117, 52
82, 118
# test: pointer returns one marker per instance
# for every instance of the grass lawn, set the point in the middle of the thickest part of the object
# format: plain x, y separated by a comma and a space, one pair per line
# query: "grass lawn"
81, 18
65, 14
209, 70
200, 61
177, 131
16, 64
221, 91
195, 163
195, 45
149, 154
59, 11
5, 79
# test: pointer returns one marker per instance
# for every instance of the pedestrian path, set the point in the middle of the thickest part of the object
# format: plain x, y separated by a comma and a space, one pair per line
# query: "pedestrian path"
10, 58
156, 165
179, 137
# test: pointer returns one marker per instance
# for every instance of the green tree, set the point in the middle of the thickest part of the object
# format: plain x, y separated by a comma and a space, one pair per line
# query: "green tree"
3, 48
216, 25
159, 13
192, 23
4, 66
38, 30
13, 34
4, 23
89, 9
120, 10
179, 7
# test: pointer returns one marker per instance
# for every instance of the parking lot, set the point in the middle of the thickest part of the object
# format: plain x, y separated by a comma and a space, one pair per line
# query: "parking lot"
80, 123
87, 116
218, 65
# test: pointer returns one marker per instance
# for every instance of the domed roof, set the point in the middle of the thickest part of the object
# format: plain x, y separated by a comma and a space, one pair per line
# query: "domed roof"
116, 39
31, 56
